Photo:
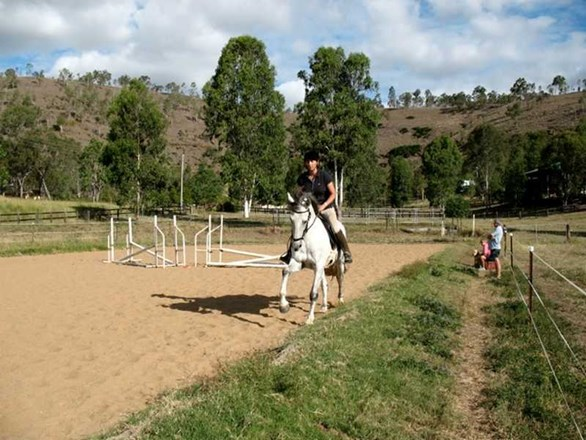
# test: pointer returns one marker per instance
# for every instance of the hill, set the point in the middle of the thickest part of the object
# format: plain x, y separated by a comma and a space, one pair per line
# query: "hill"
78, 112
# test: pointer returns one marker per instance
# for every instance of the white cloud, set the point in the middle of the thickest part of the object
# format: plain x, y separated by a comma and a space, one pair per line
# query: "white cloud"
293, 91
36, 26
443, 45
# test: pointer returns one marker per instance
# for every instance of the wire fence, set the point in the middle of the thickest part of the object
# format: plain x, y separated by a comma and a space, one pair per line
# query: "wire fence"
533, 292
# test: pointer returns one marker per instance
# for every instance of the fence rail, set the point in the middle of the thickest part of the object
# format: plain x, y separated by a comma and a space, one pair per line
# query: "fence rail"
81, 213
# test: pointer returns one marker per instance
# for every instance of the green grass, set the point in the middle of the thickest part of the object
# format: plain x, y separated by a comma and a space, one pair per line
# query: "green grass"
524, 398
377, 368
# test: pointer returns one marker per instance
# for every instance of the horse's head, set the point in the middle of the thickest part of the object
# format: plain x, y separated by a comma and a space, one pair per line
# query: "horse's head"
302, 213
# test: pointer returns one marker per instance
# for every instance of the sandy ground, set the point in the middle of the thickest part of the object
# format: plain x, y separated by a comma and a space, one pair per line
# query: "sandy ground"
83, 344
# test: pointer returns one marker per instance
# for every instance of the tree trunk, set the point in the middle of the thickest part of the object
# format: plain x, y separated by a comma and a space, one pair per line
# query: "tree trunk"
341, 190
45, 189
138, 189
247, 206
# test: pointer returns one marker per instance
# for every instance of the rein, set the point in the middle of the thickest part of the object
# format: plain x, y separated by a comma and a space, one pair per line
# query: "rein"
307, 226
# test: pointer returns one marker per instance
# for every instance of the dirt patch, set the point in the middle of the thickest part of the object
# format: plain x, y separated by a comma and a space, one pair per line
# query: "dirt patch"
472, 376
85, 343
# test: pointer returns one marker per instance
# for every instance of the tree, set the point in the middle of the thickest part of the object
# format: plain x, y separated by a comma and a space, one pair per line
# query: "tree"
442, 165
406, 99
521, 88
205, 187
10, 79
457, 207
55, 164
401, 182
392, 100
417, 98
560, 82
429, 98
340, 120
244, 114
18, 123
91, 170
136, 146
486, 158
479, 96
515, 179
4, 174
565, 157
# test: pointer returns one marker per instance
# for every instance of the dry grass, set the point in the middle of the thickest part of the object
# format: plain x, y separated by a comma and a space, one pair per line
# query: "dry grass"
185, 133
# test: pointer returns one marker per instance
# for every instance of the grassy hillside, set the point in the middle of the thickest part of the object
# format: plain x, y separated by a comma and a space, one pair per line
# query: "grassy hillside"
62, 110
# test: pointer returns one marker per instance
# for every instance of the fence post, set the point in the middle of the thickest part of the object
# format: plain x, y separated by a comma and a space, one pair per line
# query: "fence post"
511, 234
568, 233
531, 279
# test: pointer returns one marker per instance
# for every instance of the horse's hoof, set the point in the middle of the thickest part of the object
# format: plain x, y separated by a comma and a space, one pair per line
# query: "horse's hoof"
340, 300
323, 309
284, 308
309, 321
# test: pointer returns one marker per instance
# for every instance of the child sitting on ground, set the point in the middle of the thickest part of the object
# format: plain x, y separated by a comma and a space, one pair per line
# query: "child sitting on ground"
480, 255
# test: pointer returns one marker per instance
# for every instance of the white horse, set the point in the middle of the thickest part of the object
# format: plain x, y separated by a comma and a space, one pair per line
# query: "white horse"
311, 248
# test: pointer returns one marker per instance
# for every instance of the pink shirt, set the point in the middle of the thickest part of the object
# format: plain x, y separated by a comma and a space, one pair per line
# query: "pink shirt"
485, 249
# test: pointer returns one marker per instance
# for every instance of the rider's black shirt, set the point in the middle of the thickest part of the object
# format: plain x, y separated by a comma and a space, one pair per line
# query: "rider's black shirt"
318, 186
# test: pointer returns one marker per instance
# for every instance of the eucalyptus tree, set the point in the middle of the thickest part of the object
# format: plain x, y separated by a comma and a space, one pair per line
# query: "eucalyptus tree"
18, 124
92, 174
55, 164
339, 119
486, 155
565, 158
401, 181
392, 98
244, 115
135, 152
560, 82
442, 166
521, 88
204, 188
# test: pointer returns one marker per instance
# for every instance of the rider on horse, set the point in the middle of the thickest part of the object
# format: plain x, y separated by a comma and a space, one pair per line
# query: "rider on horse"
319, 183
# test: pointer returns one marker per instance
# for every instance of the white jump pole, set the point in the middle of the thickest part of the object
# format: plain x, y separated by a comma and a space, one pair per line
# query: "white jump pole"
111, 242
129, 240
179, 250
195, 250
258, 260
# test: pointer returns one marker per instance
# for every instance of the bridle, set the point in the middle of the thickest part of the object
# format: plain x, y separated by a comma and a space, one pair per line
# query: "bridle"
307, 225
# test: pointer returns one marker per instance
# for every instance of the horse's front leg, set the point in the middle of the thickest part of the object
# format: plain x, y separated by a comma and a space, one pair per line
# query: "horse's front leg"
294, 266
313, 294
324, 290
340, 279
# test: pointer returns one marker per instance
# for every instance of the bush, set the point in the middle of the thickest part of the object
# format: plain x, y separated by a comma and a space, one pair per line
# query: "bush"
457, 207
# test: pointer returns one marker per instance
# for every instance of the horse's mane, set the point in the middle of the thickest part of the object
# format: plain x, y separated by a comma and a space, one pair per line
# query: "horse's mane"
307, 196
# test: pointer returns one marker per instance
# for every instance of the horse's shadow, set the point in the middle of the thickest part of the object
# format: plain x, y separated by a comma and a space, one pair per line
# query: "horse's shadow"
233, 305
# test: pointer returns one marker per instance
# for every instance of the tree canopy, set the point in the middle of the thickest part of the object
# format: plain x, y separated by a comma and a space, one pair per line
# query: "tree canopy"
442, 167
339, 119
244, 114
135, 153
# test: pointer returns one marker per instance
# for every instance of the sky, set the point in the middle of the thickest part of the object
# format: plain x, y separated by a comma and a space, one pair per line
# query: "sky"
446, 46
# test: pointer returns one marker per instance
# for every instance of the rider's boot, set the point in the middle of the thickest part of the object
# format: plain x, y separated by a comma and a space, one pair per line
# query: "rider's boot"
343, 242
